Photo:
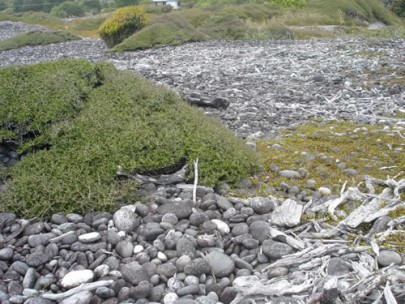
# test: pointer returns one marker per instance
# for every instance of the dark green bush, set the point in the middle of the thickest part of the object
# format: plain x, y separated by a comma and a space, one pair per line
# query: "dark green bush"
171, 29
122, 24
75, 122
36, 38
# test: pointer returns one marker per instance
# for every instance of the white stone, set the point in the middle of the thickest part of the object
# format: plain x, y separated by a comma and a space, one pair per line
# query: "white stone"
75, 278
223, 227
101, 271
324, 191
122, 234
161, 256
89, 237
138, 249
170, 298
83, 297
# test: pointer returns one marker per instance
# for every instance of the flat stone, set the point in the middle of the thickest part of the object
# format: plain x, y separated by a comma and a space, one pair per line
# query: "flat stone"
182, 209
289, 174
275, 250
125, 249
221, 264
6, 254
337, 266
75, 278
388, 257
89, 237
134, 273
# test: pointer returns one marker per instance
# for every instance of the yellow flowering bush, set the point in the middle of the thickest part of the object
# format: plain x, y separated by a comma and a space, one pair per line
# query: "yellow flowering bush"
122, 24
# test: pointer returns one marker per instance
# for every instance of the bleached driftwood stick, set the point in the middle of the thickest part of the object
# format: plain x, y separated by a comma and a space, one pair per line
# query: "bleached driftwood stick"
195, 181
305, 255
288, 214
293, 242
80, 288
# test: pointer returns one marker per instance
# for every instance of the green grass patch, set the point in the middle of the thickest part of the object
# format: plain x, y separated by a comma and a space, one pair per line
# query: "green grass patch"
321, 149
36, 38
75, 122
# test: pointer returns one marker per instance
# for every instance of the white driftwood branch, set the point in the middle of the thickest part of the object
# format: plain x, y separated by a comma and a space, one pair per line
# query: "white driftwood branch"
73, 291
195, 181
293, 242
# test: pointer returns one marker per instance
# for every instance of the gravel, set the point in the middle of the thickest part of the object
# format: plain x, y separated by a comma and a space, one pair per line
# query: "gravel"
174, 250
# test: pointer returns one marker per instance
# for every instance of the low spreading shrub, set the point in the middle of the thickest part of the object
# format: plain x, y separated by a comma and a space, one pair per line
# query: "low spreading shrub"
171, 29
122, 24
290, 3
228, 27
75, 122
36, 38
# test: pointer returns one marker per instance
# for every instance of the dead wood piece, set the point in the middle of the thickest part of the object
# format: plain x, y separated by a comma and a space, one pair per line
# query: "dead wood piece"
80, 288
252, 285
288, 214
175, 178
306, 255
293, 242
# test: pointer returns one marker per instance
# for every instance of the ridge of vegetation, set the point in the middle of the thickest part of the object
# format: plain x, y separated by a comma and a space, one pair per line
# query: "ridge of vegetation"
74, 122
36, 38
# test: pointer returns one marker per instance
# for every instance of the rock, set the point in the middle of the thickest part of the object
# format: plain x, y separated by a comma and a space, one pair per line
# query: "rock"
89, 237
75, 278
260, 205
289, 174
277, 272
37, 259
275, 250
6, 254
222, 227
125, 220
388, 257
223, 203
170, 298
185, 247
221, 264
59, 219
260, 230
125, 249
337, 266
324, 191
142, 290
182, 209
134, 273
167, 269
197, 267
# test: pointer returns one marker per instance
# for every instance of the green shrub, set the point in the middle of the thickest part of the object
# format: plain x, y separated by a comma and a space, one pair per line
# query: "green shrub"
75, 122
36, 38
398, 7
123, 3
171, 29
68, 9
122, 24
228, 27
40, 18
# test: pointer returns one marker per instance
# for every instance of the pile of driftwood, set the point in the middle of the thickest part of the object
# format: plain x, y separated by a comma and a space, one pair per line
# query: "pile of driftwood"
317, 242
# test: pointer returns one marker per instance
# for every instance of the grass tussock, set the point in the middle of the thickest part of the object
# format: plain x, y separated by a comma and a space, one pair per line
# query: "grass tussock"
34, 38
86, 27
75, 122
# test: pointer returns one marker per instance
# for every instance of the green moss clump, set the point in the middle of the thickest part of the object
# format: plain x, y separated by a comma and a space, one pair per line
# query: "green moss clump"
122, 24
36, 38
75, 122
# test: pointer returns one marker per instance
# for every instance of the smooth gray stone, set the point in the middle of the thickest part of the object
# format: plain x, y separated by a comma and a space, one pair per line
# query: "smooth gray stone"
261, 205
6, 254
337, 266
221, 264
142, 290
239, 229
185, 247
167, 269
289, 174
182, 209
59, 219
223, 203
259, 230
29, 278
37, 259
104, 292
277, 272
197, 267
35, 228
125, 249
276, 250
134, 273
388, 257
39, 239
83, 297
